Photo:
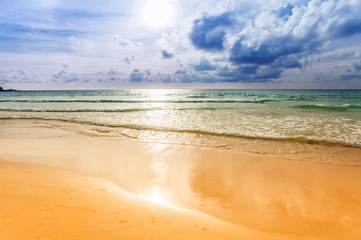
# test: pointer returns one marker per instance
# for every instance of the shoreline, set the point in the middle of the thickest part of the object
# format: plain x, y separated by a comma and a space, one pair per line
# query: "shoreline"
301, 150
300, 140
259, 191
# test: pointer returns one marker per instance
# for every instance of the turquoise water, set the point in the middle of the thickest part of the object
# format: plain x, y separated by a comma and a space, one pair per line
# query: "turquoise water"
319, 115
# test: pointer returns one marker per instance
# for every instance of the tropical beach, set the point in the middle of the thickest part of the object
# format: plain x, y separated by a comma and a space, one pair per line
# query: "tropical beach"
169, 119
99, 186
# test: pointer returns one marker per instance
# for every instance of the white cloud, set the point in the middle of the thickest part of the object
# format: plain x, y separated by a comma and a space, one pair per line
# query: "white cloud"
94, 37
19, 76
102, 46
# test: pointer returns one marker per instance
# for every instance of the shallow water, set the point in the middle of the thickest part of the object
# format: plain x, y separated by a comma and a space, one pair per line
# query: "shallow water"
332, 116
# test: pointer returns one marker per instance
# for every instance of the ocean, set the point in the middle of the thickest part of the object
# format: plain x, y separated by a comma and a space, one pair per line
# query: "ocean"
325, 116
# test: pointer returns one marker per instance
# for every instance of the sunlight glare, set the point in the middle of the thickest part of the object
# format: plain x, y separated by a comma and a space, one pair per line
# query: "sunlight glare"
157, 13
158, 197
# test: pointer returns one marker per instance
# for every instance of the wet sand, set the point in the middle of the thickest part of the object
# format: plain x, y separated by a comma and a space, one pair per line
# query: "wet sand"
100, 187
40, 202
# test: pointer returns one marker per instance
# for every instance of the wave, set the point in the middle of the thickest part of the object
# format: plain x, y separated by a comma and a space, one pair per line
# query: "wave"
202, 96
78, 110
138, 101
340, 108
300, 98
103, 110
193, 131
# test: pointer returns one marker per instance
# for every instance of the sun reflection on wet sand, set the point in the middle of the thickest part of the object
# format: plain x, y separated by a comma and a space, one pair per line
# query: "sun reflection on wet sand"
252, 190
158, 197
159, 166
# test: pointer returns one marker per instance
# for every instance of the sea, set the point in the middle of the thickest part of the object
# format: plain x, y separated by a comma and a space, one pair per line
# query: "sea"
325, 116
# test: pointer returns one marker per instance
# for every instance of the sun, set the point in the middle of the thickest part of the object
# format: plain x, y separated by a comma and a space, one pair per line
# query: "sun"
157, 14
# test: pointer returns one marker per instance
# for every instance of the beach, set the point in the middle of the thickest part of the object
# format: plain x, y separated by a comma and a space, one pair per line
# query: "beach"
60, 180
166, 119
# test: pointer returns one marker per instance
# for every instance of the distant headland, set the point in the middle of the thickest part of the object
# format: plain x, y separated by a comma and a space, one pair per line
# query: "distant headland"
7, 90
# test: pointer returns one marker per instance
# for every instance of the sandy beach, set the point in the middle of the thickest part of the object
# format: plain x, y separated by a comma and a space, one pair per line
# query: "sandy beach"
62, 180
170, 119
46, 203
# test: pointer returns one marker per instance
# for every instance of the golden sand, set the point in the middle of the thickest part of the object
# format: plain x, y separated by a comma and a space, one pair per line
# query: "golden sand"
115, 188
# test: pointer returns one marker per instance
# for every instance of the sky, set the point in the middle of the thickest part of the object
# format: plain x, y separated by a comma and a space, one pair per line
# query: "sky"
111, 44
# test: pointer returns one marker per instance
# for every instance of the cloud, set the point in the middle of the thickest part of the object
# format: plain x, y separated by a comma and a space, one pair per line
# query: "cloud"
267, 73
138, 76
357, 67
353, 72
268, 52
248, 74
195, 78
28, 26
204, 65
273, 54
248, 69
125, 43
274, 40
166, 78
346, 29
59, 75
19, 76
146, 76
319, 76
128, 60
71, 15
282, 39
25, 38
95, 77
229, 41
101, 46
65, 77
180, 71
166, 54
208, 33
287, 62
109, 77
285, 11
236, 75
260, 52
